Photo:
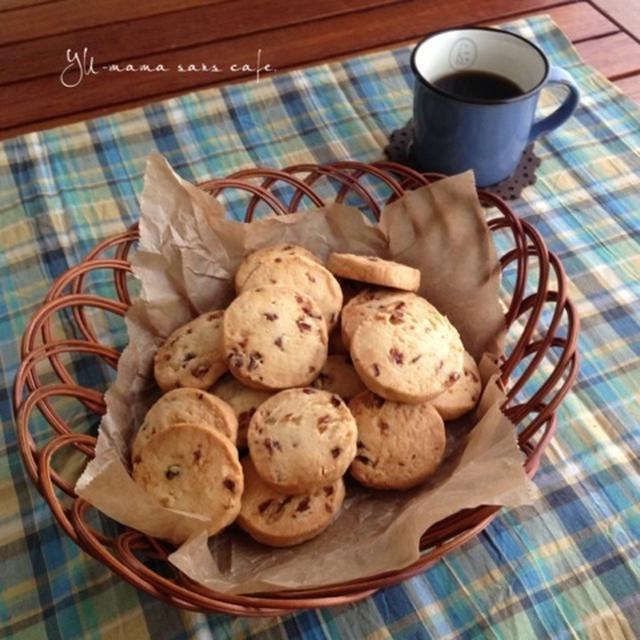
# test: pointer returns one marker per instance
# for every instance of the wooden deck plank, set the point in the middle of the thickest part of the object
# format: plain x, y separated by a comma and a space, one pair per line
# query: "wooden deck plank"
625, 13
18, 4
615, 55
284, 48
580, 21
124, 41
30, 22
630, 86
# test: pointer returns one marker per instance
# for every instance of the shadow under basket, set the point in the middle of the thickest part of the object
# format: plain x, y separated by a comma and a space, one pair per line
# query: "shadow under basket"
538, 369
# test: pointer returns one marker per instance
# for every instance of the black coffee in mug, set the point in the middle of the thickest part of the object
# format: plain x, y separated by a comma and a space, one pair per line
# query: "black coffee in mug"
478, 85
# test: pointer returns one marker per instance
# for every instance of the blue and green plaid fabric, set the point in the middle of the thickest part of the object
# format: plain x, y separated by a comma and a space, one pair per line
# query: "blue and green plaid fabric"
567, 566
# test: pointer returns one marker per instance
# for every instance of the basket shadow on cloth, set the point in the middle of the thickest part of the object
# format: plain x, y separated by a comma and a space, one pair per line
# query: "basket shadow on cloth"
543, 327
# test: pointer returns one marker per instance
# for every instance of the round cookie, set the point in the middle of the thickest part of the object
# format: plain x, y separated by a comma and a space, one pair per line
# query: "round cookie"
371, 301
303, 275
243, 400
302, 439
276, 251
281, 520
339, 376
374, 270
186, 406
191, 468
274, 338
192, 355
463, 394
399, 445
408, 358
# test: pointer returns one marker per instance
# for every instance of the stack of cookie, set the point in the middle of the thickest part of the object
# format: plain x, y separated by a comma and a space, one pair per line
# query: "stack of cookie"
311, 387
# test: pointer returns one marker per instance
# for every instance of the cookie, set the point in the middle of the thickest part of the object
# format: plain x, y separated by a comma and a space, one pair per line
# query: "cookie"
276, 251
190, 467
243, 400
274, 338
281, 520
408, 357
339, 376
192, 355
399, 445
463, 394
302, 439
303, 275
186, 406
371, 301
374, 270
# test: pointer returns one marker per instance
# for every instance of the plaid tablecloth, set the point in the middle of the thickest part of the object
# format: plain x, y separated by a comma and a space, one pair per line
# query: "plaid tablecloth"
566, 566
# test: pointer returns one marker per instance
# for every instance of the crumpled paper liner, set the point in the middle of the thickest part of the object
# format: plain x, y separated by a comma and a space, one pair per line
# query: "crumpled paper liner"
186, 260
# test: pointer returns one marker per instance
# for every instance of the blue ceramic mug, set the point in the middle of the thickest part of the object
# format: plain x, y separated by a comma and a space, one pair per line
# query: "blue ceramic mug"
482, 131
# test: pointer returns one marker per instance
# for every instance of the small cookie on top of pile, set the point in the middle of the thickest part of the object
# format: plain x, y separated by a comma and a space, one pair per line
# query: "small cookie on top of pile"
371, 401
374, 270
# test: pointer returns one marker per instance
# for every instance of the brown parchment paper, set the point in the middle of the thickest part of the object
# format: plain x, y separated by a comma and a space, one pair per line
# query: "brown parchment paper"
185, 262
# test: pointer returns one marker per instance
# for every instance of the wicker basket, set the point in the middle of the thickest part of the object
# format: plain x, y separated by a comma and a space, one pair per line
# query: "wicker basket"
539, 312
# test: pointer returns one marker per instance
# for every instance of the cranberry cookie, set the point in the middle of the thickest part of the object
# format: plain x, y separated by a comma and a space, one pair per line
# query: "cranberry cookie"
302, 439
408, 358
303, 275
281, 520
371, 301
189, 467
274, 338
399, 445
275, 252
192, 355
186, 406
463, 394
374, 270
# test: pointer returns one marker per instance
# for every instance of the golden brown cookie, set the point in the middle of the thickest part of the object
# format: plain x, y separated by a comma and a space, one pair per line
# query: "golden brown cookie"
186, 406
374, 270
303, 275
192, 355
191, 468
274, 252
274, 338
243, 400
372, 301
339, 376
302, 439
281, 520
411, 357
399, 445
463, 394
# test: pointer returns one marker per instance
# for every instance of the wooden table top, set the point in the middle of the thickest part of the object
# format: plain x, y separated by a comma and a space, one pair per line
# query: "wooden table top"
36, 34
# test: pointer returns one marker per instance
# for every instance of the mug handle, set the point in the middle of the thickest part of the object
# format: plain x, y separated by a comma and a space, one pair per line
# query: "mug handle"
564, 111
